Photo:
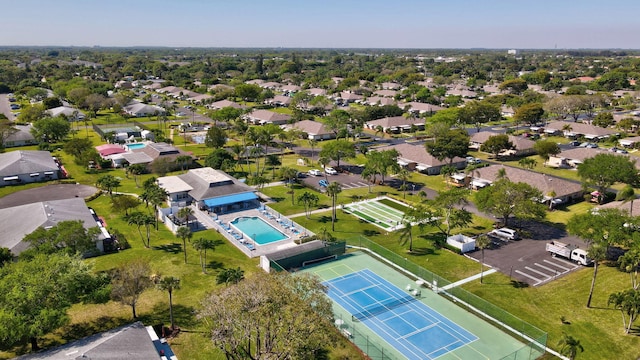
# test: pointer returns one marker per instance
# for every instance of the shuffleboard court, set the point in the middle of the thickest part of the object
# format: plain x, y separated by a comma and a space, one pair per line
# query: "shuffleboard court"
376, 212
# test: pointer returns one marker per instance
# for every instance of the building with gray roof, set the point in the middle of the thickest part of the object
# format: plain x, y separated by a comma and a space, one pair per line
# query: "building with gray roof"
43, 214
129, 342
210, 189
20, 136
27, 166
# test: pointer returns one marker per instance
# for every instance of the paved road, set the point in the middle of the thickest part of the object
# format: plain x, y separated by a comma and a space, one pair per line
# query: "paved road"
47, 193
5, 107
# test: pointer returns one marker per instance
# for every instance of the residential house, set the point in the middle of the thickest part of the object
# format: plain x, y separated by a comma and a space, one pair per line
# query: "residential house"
378, 101
386, 93
552, 188
348, 97
140, 110
314, 129
209, 189
521, 146
629, 142
72, 114
576, 130
396, 124
223, 104
416, 157
254, 82
572, 158
131, 342
419, 108
271, 85
200, 98
27, 166
152, 152
261, 117
279, 100
25, 219
290, 89
317, 92
20, 136
390, 86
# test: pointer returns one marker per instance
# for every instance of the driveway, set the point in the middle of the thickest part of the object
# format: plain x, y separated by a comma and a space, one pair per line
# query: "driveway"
47, 193
526, 260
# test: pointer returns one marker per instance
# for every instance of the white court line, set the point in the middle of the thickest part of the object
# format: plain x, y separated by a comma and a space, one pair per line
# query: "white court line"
564, 261
537, 272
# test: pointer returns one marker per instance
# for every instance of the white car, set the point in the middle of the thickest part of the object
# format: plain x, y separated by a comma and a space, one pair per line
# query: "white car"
330, 171
505, 234
315, 172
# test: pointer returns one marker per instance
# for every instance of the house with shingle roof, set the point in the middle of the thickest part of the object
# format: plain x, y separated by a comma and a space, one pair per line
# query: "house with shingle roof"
551, 187
396, 124
572, 158
20, 136
279, 100
68, 112
521, 146
27, 166
290, 89
390, 86
386, 93
348, 97
317, 92
152, 152
629, 142
223, 104
378, 101
272, 85
416, 157
420, 108
138, 109
314, 129
576, 130
261, 117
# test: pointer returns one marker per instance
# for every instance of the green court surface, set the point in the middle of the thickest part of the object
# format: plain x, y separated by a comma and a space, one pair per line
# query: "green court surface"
377, 213
491, 342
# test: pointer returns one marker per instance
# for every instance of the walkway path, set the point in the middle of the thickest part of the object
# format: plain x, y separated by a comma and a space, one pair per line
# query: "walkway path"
469, 279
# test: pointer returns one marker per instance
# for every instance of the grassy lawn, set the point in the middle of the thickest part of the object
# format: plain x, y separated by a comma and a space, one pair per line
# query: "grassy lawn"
599, 328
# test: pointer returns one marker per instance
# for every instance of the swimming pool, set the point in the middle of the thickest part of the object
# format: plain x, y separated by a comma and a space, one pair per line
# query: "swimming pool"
258, 230
136, 146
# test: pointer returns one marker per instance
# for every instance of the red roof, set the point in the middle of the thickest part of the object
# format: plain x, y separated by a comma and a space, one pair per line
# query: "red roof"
110, 149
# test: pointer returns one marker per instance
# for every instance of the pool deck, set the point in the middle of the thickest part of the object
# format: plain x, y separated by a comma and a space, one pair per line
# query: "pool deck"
222, 222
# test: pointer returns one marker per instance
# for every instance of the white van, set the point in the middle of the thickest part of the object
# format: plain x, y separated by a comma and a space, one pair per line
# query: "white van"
505, 233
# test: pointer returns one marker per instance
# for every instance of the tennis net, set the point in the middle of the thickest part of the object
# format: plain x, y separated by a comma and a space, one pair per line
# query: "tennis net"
383, 307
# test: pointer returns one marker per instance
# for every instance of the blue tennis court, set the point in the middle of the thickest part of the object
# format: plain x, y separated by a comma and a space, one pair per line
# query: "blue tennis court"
410, 326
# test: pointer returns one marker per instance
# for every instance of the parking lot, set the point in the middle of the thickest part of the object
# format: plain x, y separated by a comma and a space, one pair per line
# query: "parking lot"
527, 260
347, 181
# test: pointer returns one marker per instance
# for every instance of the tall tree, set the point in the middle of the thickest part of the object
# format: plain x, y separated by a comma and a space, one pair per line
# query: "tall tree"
529, 114
140, 219
216, 137
505, 198
449, 144
186, 213
228, 276
482, 242
333, 190
604, 170
570, 346
308, 200
628, 302
627, 195
202, 245
108, 183
68, 236
129, 281
600, 230
169, 284
36, 294
338, 150
546, 149
406, 233
272, 316
185, 234
496, 144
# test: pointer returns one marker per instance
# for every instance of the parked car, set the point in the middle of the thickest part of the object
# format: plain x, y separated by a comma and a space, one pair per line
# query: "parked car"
315, 172
323, 183
331, 171
505, 234
592, 146
574, 143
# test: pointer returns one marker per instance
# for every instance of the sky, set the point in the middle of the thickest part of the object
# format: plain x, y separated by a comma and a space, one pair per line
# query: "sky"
517, 24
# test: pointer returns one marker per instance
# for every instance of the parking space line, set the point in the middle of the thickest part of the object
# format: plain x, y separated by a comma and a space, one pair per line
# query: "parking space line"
530, 277
538, 272
556, 265
546, 268
362, 184
565, 262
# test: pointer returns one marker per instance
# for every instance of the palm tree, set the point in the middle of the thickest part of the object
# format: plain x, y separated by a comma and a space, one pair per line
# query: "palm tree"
169, 283
482, 242
135, 170
312, 143
227, 276
308, 200
238, 150
202, 245
155, 195
274, 161
289, 174
186, 213
139, 219
184, 233
406, 233
324, 161
569, 346
379, 130
528, 163
184, 161
597, 253
404, 175
627, 195
333, 190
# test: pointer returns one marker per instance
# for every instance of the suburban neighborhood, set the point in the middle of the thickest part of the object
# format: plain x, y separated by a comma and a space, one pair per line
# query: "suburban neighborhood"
312, 203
